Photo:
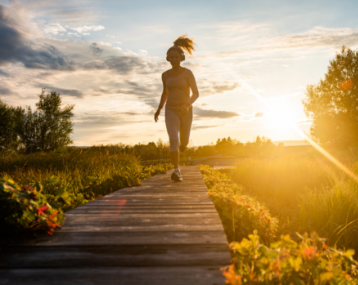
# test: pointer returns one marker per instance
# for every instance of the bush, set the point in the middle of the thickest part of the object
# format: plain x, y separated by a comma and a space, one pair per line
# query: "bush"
27, 207
310, 261
240, 214
48, 127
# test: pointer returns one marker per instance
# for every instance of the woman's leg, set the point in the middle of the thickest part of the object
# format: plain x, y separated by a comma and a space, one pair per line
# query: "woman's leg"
172, 123
175, 158
185, 127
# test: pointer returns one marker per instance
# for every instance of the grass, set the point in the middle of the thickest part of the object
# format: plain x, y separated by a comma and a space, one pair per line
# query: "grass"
76, 176
306, 193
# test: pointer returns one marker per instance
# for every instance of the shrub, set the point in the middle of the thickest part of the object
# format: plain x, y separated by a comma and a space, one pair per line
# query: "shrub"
310, 261
27, 207
240, 214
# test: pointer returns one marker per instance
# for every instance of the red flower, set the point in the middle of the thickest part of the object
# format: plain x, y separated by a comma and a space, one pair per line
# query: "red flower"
43, 208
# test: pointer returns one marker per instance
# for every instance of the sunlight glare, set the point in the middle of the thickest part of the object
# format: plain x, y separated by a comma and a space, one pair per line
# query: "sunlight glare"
280, 115
302, 134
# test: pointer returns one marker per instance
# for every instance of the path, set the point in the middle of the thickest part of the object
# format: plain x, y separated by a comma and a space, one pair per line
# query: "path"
158, 233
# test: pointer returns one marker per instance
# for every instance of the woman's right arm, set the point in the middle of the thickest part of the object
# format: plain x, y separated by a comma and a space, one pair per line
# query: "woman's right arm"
163, 99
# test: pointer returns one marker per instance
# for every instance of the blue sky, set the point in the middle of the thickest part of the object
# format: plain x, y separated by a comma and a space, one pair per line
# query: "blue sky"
106, 57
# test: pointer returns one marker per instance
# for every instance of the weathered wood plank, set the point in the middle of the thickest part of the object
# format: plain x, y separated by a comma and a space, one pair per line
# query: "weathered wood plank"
203, 275
133, 238
129, 255
143, 228
119, 221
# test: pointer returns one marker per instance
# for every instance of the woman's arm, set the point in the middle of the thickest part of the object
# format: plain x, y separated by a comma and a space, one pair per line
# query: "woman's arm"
194, 89
163, 99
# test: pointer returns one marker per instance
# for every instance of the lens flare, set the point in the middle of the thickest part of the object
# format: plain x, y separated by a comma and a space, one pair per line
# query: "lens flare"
302, 134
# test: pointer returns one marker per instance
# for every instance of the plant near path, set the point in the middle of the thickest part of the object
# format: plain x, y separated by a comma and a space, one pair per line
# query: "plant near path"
310, 261
27, 207
240, 214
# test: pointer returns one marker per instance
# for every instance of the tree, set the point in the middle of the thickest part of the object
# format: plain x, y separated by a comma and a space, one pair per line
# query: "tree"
47, 128
333, 102
8, 137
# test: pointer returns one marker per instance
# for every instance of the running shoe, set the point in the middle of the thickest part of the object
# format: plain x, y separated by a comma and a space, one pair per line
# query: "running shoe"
176, 176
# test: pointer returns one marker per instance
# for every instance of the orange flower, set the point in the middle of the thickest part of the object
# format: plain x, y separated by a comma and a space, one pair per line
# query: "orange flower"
309, 251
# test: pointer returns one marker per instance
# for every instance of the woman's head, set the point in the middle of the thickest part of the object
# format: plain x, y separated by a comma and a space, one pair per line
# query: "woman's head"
175, 54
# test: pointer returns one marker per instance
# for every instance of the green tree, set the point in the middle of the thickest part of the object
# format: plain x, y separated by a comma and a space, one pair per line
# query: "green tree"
8, 137
48, 127
333, 102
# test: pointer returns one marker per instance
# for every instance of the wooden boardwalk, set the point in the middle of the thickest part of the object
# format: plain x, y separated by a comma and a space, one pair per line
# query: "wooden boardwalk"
158, 233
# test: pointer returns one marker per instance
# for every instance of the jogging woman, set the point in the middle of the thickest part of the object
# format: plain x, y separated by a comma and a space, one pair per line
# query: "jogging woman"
177, 83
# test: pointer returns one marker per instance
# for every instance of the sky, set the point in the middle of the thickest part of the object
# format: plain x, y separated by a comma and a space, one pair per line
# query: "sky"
107, 57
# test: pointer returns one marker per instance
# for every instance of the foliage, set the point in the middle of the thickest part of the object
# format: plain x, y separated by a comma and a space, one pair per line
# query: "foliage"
332, 102
240, 214
27, 207
48, 127
310, 261
71, 177
8, 138
61, 180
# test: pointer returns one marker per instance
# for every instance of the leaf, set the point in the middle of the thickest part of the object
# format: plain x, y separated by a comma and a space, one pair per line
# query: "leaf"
326, 276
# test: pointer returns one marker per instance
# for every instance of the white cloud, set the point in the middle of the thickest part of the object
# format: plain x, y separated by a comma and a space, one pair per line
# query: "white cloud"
73, 34
88, 28
54, 29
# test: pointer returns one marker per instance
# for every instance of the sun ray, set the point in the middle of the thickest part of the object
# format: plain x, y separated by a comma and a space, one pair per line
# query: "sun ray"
325, 153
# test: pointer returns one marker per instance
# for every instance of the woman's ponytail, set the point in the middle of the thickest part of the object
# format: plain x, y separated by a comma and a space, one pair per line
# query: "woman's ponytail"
185, 43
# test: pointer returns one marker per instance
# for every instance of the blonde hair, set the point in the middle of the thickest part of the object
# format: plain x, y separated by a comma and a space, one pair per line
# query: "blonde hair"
183, 43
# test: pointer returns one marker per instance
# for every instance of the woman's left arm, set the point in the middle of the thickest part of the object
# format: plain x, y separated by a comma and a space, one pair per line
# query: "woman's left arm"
194, 89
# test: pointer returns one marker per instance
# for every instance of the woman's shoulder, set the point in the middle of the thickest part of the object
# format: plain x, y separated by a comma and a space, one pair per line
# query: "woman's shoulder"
167, 72
188, 71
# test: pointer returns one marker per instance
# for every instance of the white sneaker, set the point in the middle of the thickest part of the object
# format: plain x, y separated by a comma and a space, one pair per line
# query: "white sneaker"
176, 176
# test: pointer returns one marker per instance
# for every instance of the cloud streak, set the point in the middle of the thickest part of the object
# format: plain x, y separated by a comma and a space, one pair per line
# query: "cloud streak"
203, 113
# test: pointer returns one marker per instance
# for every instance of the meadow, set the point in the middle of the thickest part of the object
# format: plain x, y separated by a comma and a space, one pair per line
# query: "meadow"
305, 192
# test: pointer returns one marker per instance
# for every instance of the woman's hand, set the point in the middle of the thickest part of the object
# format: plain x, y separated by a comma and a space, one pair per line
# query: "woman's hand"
184, 109
156, 115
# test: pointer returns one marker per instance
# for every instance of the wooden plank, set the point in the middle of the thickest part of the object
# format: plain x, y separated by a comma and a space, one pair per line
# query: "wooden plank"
129, 255
143, 228
133, 238
120, 215
119, 221
198, 275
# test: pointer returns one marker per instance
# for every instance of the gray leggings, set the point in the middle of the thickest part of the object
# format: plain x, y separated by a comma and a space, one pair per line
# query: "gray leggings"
175, 125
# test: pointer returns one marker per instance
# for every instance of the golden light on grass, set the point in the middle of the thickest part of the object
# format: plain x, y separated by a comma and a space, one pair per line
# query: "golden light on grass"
281, 115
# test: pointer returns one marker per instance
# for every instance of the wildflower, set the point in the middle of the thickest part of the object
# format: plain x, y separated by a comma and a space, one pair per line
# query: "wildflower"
309, 252
43, 208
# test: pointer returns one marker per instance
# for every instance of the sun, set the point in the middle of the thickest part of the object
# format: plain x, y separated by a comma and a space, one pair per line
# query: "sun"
280, 115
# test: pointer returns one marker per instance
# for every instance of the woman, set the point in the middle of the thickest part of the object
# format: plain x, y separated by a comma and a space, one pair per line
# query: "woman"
177, 83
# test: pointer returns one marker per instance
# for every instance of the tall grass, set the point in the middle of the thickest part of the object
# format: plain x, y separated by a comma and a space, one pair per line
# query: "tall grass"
78, 175
306, 193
